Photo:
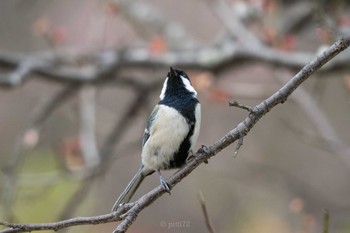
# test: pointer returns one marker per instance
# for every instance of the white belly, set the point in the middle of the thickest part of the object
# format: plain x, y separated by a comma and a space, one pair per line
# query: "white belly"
166, 135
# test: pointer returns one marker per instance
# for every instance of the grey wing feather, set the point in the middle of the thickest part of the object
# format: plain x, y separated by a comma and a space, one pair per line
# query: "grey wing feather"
149, 125
142, 172
132, 187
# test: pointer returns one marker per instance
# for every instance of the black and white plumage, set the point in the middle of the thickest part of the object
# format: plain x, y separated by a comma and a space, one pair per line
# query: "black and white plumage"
170, 134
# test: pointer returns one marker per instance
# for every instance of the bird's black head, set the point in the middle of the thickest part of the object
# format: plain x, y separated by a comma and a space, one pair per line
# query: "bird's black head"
176, 73
177, 83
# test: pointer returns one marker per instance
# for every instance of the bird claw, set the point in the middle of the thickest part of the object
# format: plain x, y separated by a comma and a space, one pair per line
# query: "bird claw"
190, 156
204, 149
166, 186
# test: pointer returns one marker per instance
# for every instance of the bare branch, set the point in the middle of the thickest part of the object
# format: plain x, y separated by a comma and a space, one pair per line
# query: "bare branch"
115, 216
244, 127
238, 105
259, 111
239, 144
205, 213
242, 134
59, 67
87, 127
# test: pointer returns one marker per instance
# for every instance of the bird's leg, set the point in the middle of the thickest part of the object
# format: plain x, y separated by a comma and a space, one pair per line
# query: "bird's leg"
164, 183
190, 156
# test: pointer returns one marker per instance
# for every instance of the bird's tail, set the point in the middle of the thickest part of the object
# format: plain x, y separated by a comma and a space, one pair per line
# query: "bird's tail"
131, 188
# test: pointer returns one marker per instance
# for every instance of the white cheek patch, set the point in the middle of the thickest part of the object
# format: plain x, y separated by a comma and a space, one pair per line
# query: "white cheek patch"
188, 85
162, 93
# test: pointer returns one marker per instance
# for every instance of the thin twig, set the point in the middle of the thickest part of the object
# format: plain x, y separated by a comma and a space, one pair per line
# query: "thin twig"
325, 221
239, 144
238, 105
205, 213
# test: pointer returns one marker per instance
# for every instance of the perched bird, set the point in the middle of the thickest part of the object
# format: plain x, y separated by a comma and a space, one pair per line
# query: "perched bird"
171, 132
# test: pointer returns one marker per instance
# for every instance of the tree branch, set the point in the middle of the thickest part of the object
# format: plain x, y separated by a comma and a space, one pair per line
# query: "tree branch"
55, 226
243, 128
202, 154
59, 67
205, 213
87, 137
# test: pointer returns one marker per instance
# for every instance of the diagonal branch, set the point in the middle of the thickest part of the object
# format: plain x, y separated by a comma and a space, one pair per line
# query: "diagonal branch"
205, 153
244, 127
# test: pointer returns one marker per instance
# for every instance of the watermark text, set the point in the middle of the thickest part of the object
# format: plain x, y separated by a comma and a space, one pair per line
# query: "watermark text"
175, 224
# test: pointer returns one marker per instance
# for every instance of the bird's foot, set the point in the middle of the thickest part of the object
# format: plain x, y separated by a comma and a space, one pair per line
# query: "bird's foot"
190, 156
204, 150
164, 183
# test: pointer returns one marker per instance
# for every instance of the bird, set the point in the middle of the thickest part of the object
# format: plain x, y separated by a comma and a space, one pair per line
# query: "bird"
171, 132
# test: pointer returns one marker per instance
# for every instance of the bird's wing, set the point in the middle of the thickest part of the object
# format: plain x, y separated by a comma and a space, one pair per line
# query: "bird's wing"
146, 134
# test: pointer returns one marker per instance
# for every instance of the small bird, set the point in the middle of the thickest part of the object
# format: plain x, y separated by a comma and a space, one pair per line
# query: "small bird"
170, 134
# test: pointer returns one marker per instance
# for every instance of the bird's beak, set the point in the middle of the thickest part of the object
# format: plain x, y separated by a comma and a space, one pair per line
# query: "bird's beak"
172, 72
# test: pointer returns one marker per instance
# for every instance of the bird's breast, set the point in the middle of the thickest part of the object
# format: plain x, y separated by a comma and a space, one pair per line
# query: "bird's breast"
167, 132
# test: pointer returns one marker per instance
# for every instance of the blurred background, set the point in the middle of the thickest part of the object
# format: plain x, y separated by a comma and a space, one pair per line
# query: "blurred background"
78, 80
